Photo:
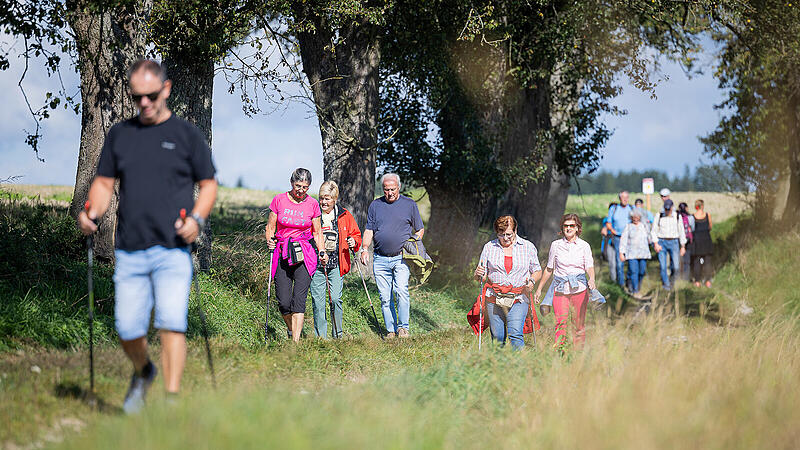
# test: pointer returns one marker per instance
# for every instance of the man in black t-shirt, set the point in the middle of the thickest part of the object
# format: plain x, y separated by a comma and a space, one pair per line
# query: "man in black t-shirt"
157, 158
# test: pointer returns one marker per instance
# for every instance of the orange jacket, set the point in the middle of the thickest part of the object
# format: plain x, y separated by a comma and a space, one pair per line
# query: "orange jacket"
347, 228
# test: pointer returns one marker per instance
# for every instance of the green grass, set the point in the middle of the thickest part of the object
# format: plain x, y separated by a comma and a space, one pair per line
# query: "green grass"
642, 382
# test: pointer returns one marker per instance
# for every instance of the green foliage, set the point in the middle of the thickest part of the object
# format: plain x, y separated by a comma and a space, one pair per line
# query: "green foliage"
758, 133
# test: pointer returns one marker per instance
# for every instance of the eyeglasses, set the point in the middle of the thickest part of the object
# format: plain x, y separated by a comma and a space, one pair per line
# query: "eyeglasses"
570, 225
300, 187
505, 235
153, 96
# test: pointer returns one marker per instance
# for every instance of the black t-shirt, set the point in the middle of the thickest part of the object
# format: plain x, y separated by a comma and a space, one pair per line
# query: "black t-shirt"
157, 166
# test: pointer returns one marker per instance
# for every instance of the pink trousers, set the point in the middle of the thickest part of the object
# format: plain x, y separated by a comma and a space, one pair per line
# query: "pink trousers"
563, 305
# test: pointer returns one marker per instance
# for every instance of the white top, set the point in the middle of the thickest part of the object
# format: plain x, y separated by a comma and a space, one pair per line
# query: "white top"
570, 258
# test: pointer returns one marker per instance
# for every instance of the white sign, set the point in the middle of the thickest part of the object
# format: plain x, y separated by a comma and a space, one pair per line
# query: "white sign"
648, 187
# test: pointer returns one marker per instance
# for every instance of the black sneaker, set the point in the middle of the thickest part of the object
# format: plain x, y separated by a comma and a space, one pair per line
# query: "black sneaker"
134, 399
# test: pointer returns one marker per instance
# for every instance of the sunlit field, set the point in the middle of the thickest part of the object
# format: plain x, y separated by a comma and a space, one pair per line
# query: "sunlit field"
699, 368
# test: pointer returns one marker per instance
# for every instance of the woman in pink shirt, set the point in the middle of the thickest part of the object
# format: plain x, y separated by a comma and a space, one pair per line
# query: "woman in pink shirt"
570, 261
294, 220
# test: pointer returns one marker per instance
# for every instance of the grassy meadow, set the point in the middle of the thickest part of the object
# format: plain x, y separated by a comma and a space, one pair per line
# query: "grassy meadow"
697, 370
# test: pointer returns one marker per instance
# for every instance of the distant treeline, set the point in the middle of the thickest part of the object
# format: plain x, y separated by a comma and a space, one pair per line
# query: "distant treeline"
705, 178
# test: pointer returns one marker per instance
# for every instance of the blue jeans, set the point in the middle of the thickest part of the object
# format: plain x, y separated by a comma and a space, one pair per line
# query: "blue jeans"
157, 276
515, 319
636, 268
319, 301
620, 266
671, 247
391, 276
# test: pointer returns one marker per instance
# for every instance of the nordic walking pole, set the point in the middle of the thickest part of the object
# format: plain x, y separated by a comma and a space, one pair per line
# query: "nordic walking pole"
533, 325
203, 325
480, 315
90, 285
269, 293
364, 283
330, 301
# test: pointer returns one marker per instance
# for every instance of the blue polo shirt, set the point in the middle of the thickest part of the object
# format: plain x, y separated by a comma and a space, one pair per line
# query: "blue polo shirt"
619, 217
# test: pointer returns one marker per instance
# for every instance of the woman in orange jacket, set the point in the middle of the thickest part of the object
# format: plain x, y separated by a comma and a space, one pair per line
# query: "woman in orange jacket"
341, 234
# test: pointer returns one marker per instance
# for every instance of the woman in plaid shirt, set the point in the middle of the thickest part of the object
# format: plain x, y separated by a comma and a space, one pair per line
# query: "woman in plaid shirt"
512, 267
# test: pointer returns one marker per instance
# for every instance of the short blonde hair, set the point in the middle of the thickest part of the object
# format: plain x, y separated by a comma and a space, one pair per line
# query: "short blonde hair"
329, 188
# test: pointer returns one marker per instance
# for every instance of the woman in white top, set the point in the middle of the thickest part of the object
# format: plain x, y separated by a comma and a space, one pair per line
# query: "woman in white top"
570, 261
634, 247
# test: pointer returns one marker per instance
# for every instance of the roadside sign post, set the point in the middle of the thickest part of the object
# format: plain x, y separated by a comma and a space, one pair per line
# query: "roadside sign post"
648, 188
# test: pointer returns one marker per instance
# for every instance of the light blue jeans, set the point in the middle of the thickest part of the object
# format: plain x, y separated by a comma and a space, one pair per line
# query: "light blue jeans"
637, 269
515, 319
157, 276
671, 248
319, 300
391, 276
619, 265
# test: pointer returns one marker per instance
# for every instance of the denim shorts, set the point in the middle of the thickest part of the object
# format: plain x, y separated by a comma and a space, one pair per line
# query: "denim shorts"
157, 276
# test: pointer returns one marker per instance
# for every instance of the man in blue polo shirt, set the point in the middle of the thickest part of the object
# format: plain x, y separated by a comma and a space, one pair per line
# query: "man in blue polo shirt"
618, 219
391, 220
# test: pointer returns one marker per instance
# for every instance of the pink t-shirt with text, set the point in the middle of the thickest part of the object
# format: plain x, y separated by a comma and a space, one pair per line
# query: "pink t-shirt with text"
294, 219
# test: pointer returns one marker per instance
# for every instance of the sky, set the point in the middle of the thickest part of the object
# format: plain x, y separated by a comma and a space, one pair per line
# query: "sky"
263, 150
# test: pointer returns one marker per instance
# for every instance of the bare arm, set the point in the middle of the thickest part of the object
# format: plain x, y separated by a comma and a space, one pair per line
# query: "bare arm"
99, 198
709, 221
590, 272
316, 228
420, 233
206, 196
365, 243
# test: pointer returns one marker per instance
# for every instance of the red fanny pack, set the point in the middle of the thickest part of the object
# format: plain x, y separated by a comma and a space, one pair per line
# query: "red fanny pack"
473, 315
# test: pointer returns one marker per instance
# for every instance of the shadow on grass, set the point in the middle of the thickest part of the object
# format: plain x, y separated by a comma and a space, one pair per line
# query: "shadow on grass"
73, 390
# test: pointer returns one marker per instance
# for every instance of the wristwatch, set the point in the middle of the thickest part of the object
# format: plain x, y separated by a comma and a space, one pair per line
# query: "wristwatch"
201, 223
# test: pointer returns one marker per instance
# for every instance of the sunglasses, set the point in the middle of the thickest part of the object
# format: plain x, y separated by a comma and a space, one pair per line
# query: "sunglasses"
570, 225
153, 96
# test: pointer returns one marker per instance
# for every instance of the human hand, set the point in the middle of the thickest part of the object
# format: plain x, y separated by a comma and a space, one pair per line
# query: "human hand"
683, 251
604, 231
530, 283
592, 285
657, 247
271, 243
364, 257
187, 228
323, 257
537, 296
351, 242
86, 222
480, 271
622, 257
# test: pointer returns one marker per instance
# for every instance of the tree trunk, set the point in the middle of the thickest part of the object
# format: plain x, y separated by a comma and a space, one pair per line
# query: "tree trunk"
452, 230
108, 43
791, 212
342, 69
191, 97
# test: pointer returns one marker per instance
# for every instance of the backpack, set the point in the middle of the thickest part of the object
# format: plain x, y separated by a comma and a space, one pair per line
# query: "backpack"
686, 228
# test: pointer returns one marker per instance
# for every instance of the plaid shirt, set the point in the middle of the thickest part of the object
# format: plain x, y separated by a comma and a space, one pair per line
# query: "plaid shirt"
525, 260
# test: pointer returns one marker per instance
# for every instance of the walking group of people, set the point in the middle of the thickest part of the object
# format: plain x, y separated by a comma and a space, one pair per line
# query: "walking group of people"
510, 270
157, 158
681, 241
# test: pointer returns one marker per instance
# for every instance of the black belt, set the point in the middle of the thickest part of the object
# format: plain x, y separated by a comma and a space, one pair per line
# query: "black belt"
387, 256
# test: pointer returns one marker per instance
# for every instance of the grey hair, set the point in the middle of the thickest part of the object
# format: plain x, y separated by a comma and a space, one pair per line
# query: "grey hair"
636, 212
300, 174
148, 65
391, 175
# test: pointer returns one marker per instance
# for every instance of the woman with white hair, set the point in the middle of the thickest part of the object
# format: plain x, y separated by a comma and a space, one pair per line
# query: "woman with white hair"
340, 234
634, 247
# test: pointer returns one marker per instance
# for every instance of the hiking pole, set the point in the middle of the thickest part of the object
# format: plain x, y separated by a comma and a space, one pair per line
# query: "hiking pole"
533, 325
364, 283
330, 301
269, 293
480, 315
203, 325
90, 286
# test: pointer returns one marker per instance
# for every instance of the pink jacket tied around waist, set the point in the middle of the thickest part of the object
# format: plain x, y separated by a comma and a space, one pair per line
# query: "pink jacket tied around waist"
309, 255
